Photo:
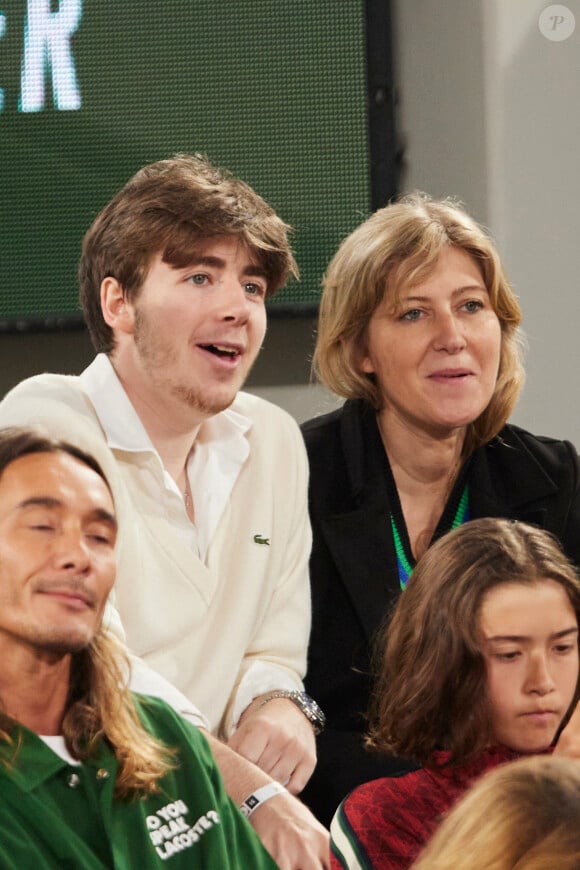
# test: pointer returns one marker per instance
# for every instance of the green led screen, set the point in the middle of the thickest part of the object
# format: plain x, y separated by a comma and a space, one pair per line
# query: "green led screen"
274, 90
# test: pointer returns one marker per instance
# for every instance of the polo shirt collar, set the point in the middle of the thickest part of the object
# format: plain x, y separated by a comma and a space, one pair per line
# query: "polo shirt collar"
119, 419
32, 762
125, 431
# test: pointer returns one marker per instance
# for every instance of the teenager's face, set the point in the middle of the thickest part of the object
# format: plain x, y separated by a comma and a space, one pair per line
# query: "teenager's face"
530, 645
57, 553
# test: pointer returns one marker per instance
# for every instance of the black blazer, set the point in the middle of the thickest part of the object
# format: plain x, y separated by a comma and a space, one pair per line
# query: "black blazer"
353, 566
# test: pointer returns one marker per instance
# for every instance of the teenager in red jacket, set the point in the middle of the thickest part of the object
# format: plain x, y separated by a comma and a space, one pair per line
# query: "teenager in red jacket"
480, 666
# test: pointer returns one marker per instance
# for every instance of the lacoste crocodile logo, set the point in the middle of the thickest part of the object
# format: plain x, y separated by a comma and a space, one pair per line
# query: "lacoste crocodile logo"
258, 539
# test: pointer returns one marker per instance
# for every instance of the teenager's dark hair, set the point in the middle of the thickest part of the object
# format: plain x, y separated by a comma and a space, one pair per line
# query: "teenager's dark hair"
431, 686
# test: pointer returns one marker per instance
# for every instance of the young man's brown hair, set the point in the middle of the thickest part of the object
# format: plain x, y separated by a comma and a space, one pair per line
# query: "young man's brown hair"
170, 207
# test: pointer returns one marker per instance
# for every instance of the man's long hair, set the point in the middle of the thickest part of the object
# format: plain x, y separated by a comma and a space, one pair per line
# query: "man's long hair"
100, 708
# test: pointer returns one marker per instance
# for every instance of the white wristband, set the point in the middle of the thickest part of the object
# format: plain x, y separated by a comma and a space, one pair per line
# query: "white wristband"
260, 796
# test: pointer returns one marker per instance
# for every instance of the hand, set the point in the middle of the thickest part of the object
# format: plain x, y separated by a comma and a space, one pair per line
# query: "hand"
291, 834
288, 830
569, 740
279, 739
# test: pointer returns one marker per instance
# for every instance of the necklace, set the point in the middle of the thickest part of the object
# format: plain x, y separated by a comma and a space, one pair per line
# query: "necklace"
403, 565
187, 498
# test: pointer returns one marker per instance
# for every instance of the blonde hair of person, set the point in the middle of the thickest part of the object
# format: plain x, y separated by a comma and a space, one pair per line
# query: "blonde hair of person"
524, 815
100, 705
398, 246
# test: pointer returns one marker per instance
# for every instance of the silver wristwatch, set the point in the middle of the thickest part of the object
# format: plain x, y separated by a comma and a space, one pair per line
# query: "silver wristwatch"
304, 702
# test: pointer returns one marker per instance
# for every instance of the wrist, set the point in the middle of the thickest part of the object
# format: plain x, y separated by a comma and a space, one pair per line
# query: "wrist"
305, 704
259, 797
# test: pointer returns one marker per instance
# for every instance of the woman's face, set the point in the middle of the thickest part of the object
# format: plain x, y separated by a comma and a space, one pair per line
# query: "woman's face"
436, 356
530, 646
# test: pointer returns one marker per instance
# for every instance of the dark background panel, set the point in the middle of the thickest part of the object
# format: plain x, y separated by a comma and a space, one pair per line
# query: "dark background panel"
275, 91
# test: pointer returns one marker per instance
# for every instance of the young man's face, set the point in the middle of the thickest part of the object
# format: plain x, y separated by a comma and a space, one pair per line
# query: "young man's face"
195, 331
57, 553
530, 645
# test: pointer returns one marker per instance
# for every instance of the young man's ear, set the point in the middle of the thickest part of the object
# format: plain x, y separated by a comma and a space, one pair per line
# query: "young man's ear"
117, 311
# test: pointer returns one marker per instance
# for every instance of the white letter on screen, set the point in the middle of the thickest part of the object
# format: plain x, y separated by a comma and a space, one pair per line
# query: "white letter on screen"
47, 49
2, 32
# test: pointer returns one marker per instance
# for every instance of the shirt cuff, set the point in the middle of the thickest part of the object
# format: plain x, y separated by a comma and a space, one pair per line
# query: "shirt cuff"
260, 678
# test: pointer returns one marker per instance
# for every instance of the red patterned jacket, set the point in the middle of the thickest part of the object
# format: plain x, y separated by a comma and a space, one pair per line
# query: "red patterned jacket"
384, 824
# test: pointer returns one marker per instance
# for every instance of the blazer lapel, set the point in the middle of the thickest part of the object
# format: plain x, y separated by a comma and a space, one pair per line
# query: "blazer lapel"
361, 540
364, 554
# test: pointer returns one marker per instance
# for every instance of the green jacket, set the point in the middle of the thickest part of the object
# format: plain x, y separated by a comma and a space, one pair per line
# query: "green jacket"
56, 815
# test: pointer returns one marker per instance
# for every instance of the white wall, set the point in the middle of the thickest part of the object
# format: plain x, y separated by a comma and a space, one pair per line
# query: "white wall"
535, 144
490, 111
302, 401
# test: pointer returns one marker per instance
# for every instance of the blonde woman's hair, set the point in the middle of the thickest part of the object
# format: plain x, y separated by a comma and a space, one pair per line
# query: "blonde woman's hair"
398, 246
525, 815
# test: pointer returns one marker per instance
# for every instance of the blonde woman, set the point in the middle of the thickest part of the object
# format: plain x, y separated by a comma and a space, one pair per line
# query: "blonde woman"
418, 331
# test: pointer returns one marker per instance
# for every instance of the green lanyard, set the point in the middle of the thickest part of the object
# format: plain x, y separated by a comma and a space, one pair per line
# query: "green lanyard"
404, 568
